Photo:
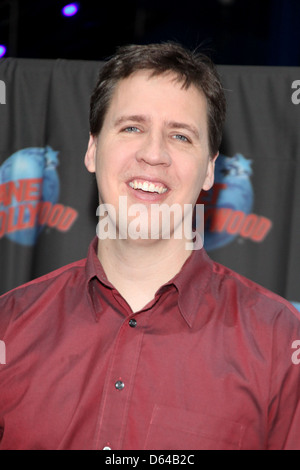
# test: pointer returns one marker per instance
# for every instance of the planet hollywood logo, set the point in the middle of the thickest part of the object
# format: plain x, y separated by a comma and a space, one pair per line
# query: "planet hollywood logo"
29, 192
228, 205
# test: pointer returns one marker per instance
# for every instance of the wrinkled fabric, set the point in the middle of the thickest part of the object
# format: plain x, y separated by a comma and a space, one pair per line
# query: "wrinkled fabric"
207, 364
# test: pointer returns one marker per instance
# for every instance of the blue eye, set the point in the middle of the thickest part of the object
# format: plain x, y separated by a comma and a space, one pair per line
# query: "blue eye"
181, 137
131, 129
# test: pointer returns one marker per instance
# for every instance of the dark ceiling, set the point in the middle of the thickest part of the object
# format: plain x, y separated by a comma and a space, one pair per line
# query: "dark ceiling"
240, 32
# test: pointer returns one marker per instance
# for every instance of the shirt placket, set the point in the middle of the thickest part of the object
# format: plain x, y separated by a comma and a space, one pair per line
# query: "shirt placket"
119, 383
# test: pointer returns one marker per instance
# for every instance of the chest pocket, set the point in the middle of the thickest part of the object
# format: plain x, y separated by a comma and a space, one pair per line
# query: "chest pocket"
174, 428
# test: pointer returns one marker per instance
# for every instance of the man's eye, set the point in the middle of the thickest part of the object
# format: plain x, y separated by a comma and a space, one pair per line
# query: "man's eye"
131, 129
181, 137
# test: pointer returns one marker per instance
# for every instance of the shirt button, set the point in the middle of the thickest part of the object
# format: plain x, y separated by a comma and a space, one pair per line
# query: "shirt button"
106, 448
132, 322
119, 385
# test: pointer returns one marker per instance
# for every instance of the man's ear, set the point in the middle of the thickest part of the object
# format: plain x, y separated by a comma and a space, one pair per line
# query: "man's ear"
210, 174
90, 156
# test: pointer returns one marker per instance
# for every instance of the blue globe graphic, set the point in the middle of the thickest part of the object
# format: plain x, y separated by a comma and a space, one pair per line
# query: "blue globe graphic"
30, 163
236, 194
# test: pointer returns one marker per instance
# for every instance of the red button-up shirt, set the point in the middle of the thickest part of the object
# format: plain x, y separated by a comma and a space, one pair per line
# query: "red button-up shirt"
206, 365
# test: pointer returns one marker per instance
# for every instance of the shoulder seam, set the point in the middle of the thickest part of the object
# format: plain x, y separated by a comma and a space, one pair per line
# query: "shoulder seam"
247, 283
47, 276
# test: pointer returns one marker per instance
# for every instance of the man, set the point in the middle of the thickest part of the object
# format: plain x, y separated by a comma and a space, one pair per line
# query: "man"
149, 344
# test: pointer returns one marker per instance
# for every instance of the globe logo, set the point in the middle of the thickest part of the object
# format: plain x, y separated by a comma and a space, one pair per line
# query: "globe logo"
29, 191
228, 201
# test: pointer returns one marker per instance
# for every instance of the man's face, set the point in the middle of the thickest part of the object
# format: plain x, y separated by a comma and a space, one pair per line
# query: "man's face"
153, 146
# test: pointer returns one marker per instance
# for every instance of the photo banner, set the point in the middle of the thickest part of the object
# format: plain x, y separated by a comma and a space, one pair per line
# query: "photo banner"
48, 200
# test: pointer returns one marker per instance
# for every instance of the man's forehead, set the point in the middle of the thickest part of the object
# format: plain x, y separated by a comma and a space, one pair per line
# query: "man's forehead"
148, 74
131, 101
164, 79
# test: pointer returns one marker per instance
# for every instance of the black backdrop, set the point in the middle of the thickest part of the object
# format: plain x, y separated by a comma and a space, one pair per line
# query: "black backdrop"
48, 200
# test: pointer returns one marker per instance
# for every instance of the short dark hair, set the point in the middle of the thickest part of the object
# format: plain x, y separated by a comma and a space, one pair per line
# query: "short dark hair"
191, 68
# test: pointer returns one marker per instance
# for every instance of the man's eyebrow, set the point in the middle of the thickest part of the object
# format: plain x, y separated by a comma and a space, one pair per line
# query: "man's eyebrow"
130, 118
184, 125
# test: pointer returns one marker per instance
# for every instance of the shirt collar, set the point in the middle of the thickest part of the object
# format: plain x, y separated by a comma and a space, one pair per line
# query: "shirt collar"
93, 266
191, 282
94, 273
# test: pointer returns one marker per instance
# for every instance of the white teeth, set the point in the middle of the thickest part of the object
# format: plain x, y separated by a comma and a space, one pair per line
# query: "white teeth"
149, 187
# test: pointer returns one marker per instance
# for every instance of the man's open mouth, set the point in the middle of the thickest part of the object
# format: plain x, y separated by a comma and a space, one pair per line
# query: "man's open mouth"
148, 186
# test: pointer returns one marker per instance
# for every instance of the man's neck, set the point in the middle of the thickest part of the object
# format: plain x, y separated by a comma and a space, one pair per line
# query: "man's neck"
137, 269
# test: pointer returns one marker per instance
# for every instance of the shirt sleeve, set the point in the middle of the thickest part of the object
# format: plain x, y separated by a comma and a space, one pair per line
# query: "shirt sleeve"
284, 399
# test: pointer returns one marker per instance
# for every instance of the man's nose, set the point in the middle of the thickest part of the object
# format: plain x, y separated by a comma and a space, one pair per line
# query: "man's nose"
154, 151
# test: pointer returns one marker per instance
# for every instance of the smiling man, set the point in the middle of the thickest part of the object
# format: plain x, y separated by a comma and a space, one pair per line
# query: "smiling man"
148, 344
153, 148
